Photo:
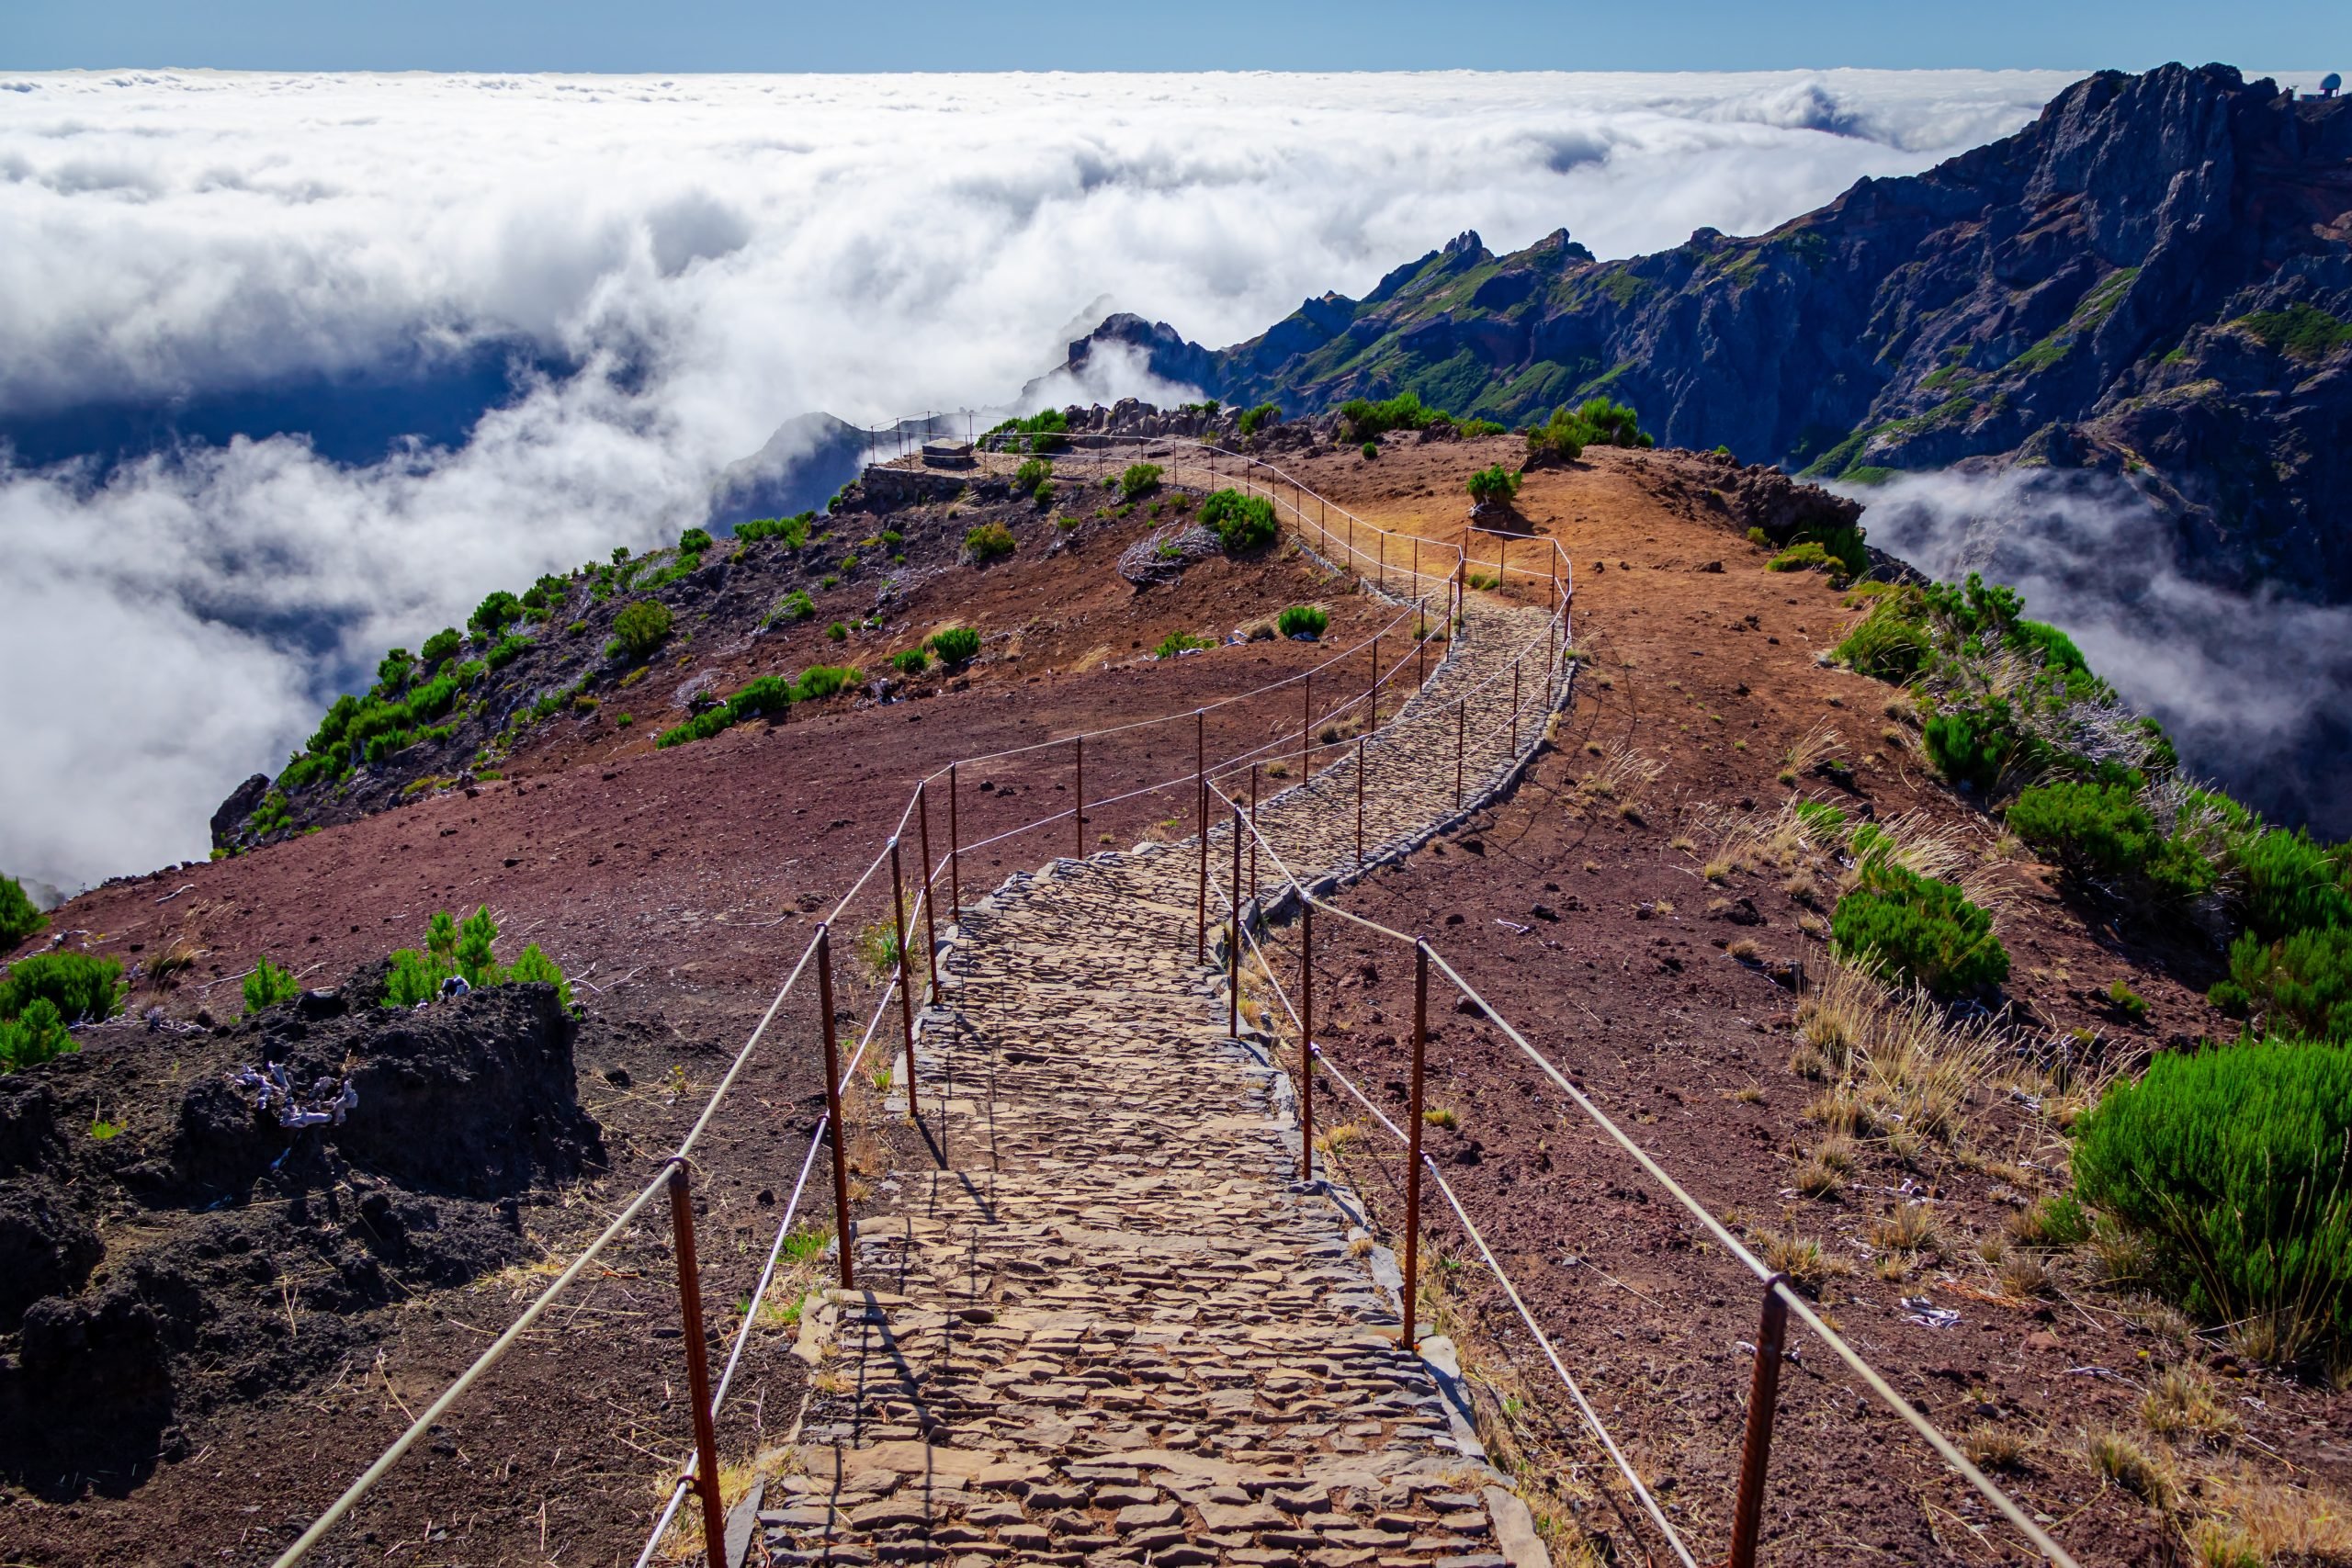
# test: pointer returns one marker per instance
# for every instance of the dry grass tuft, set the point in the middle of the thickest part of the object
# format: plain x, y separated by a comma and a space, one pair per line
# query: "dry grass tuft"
1623, 774
1991, 1448
2182, 1402
1898, 1058
1910, 1228
2258, 1520
1801, 1257
2147, 1476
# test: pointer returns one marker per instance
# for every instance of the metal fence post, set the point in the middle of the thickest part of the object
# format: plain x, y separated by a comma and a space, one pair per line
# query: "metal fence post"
1360, 758
833, 1102
1201, 799
1413, 1137
1514, 702
681, 1228
1372, 690
1253, 824
1460, 733
1306, 732
1078, 805
1233, 955
930, 896
1763, 1394
906, 990
954, 850
1305, 1037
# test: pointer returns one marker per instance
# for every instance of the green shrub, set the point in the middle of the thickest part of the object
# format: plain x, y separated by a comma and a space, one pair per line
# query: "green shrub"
1888, 644
1473, 428
2127, 1001
1365, 420
532, 966
392, 670
33, 1037
701, 726
1258, 417
1972, 746
494, 613
790, 532
1141, 479
911, 662
1175, 643
989, 542
2300, 984
507, 652
1370, 449
694, 541
1042, 431
956, 646
2102, 832
1030, 474
443, 644
268, 984
83, 989
2288, 883
2231, 1162
641, 628
548, 592
1242, 522
1493, 485
1308, 621
1901, 925
793, 607
761, 696
18, 918
821, 681
1596, 422
463, 948
837, 632
1806, 556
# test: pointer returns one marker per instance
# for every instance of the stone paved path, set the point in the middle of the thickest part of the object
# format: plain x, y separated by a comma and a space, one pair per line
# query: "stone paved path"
1116, 1328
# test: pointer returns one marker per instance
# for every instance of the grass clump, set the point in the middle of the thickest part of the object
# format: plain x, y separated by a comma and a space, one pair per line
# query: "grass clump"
794, 608
1806, 556
1180, 642
763, 696
1030, 474
1242, 522
956, 646
18, 918
268, 984
1308, 621
1903, 926
989, 542
1140, 479
2231, 1163
821, 681
642, 627
911, 662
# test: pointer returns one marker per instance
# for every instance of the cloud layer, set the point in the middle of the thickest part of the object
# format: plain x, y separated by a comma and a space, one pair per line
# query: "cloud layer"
700, 259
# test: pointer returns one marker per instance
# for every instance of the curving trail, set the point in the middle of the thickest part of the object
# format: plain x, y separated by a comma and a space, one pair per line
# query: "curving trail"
1107, 1324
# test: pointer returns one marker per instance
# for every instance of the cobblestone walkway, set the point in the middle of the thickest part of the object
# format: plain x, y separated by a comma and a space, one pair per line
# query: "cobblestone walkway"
1116, 1328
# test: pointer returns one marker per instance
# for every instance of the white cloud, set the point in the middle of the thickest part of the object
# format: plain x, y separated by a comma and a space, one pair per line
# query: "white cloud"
733, 250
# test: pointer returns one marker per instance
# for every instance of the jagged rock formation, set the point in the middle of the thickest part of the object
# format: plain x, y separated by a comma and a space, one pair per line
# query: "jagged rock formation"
2154, 279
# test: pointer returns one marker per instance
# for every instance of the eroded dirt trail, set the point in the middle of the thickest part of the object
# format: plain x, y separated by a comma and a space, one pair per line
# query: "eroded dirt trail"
1107, 1321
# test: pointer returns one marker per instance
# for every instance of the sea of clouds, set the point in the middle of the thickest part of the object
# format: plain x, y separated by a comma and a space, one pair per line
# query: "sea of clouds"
676, 266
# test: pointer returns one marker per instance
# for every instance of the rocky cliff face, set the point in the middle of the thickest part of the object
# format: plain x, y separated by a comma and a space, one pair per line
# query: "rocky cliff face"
2154, 279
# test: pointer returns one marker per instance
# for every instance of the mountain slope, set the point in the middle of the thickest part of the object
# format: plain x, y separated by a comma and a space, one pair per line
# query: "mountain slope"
2154, 279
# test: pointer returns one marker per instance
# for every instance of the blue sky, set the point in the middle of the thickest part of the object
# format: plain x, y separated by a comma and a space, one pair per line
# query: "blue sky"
927, 35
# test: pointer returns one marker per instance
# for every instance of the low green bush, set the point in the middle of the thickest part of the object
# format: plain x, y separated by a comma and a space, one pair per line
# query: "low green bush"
1493, 485
1242, 522
1473, 428
1972, 747
1030, 474
18, 918
790, 532
1257, 418
694, 541
641, 628
793, 607
37, 1034
442, 645
1308, 621
1888, 644
1140, 479
821, 681
268, 984
1364, 419
1903, 926
989, 542
507, 652
1370, 449
837, 633
82, 988
2102, 832
911, 662
1806, 556
1596, 422
494, 613
2300, 984
2288, 883
956, 646
1042, 431
394, 670
548, 592
2231, 1162
464, 949
1175, 643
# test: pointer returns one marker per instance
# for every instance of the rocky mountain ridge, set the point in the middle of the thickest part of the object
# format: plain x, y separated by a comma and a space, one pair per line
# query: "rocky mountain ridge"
2151, 282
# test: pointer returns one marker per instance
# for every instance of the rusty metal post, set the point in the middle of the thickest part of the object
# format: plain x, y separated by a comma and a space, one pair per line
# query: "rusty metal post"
1372, 690
906, 991
1502, 561
1421, 641
1078, 802
833, 1101
1306, 732
1514, 702
1460, 732
1763, 1394
1233, 955
1305, 1037
706, 1479
1360, 756
954, 850
930, 894
1413, 1136
1253, 824
1201, 798
1383, 576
